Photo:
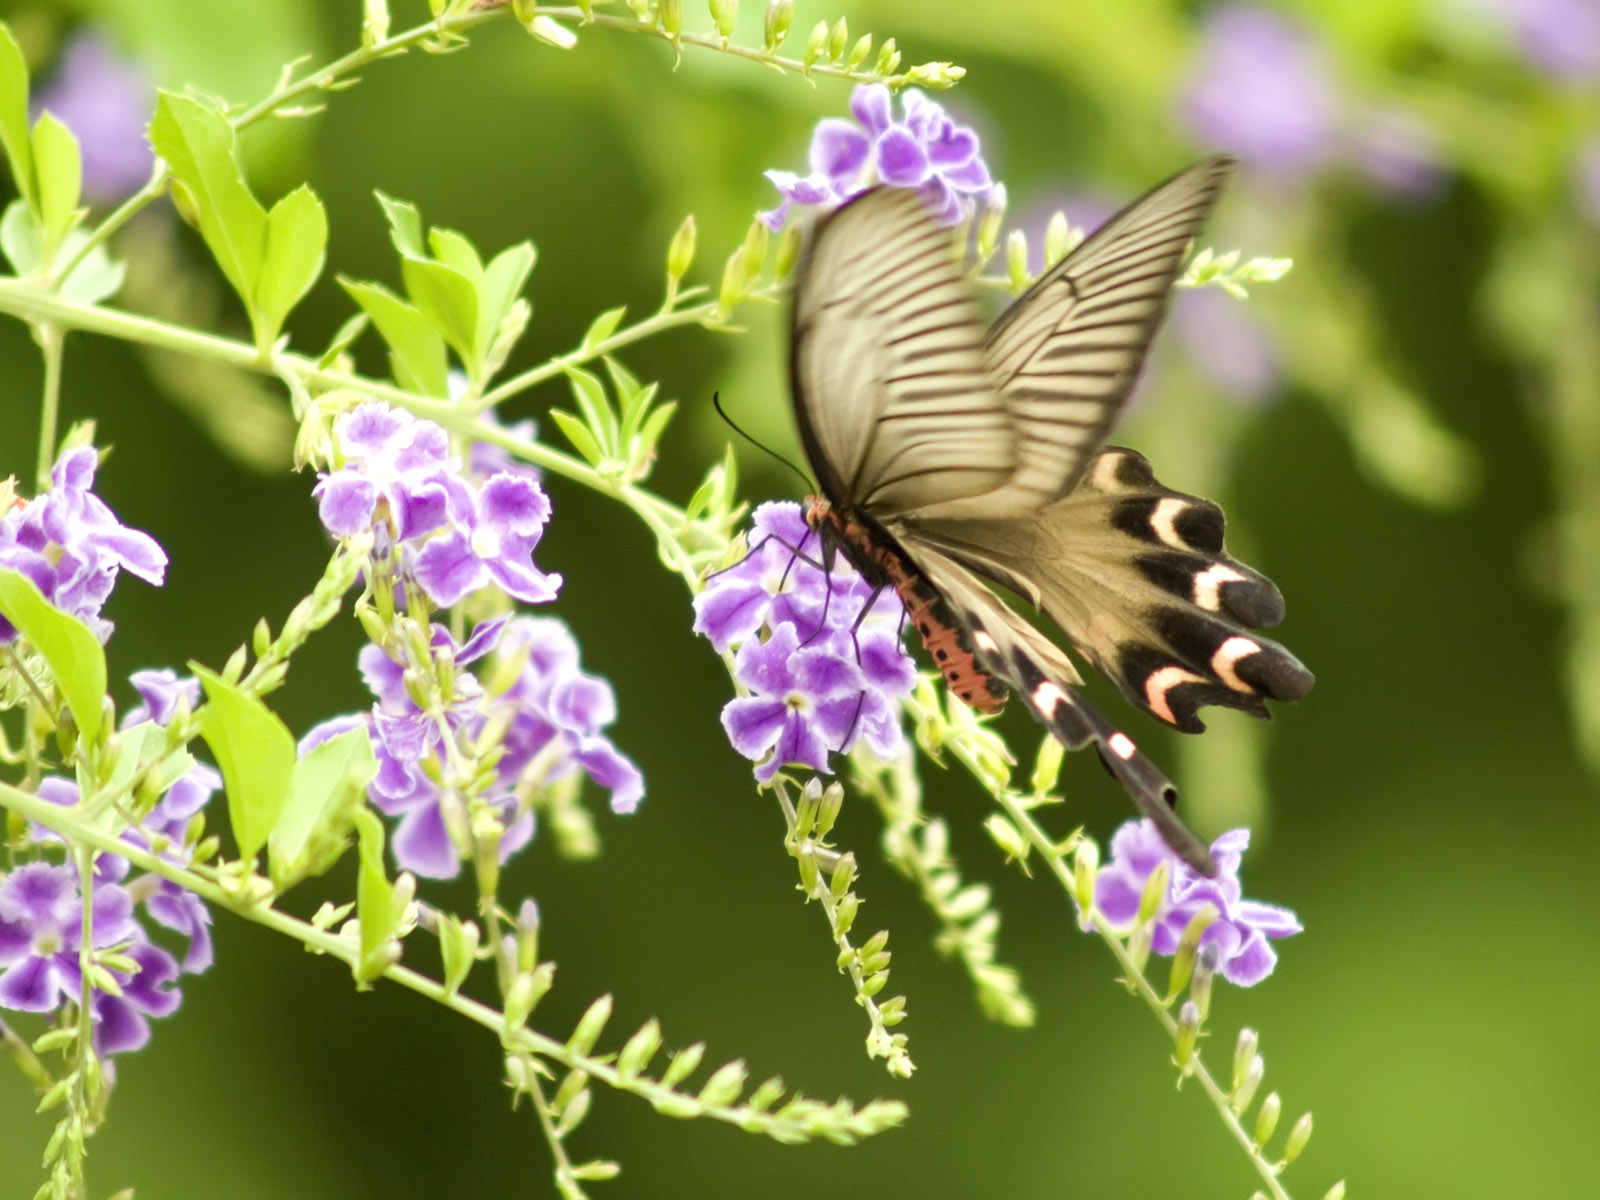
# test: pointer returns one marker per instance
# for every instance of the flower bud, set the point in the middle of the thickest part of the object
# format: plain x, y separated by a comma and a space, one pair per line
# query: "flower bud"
859, 52
815, 44
888, 58
838, 39
780, 14
725, 13
1297, 1139
1154, 897
788, 252
1244, 1053
1267, 1118
1085, 865
680, 253
1017, 259
1188, 1035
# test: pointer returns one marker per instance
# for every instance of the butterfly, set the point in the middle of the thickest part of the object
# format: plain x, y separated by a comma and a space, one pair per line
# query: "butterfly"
950, 457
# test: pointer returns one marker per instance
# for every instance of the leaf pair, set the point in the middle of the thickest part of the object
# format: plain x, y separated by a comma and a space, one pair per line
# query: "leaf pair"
620, 439
453, 301
270, 257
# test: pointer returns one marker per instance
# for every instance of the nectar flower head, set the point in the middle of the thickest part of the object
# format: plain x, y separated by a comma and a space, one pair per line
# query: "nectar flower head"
546, 714
72, 546
1238, 937
453, 536
41, 967
820, 674
925, 149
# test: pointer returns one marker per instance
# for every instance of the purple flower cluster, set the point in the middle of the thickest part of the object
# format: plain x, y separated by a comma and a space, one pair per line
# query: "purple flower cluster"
72, 546
1238, 936
399, 479
1263, 88
925, 149
821, 673
546, 714
1559, 37
41, 906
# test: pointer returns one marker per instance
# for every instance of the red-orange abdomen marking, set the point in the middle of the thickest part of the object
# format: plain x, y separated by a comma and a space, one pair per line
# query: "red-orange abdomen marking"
942, 635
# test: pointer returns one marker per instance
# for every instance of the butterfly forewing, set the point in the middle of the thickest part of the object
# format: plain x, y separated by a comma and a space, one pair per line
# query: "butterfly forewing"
1066, 354
892, 387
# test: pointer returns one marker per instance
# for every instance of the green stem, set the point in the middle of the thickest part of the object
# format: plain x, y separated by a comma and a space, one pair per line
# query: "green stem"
51, 339
67, 823
1051, 853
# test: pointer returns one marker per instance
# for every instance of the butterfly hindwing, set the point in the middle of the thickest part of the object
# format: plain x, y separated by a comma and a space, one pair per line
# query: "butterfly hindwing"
1010, 649
1137, 577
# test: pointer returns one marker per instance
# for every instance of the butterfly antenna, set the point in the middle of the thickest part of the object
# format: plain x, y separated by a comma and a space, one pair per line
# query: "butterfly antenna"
716, 403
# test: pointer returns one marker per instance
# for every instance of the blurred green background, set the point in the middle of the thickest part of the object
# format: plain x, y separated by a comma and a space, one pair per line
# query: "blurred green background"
1408, 446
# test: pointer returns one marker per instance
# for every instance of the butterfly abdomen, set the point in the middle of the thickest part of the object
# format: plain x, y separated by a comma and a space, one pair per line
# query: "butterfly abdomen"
947, 639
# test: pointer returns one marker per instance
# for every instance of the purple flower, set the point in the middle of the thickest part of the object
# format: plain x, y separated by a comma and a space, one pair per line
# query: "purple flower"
105, 100
1261, 89
1226, 341
1238, 936
925, 149
41, 937
819, 673
72, 546
492, 541
548, 716
400, 480
161, 691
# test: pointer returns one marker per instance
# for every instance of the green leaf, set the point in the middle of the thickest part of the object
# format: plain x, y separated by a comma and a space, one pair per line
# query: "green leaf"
450, 302
326, 789
297, 236
656, 425
380, 905
503, 281
20, 237
405, 226
603, 327
14, 113
255, 753
98, 277
197, 142
578, 434
455, 252
634, 409
590, 394
59, 167
416, 349
74, 655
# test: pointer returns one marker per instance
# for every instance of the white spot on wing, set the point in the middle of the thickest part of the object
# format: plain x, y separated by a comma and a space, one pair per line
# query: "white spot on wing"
1160, 683
1104, 475
983, 641
1162, 521
1208, 585
1227, 656
1047, 697
1122, 746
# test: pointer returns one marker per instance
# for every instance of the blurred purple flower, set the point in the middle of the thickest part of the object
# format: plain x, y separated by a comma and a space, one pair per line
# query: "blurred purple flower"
1227, 342
72, 546
1560, 37
1238, 936
1396, 150
161, 691
1589, 179
819, 675
1261, 88
548, 716
105, 99
925, 149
